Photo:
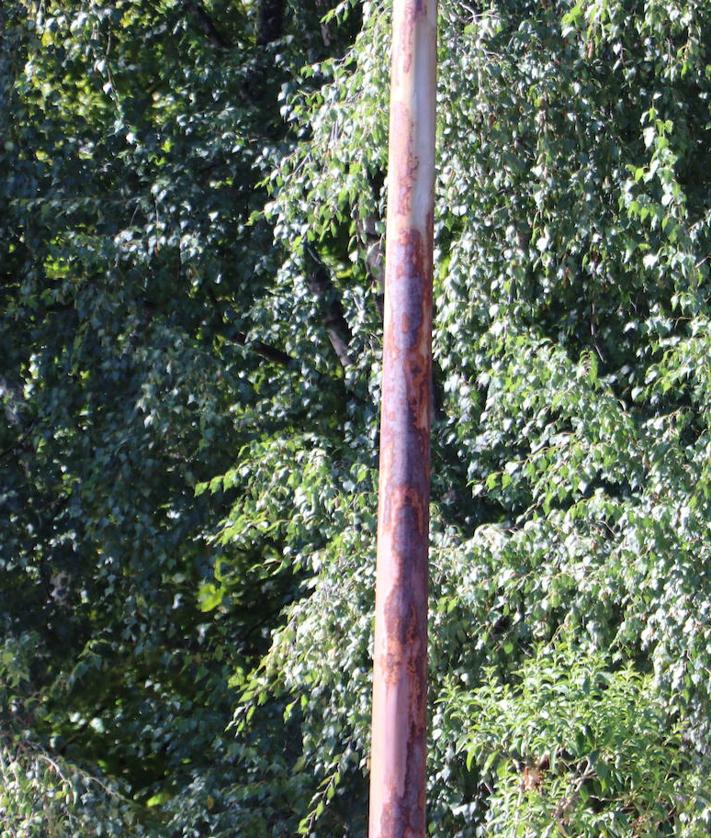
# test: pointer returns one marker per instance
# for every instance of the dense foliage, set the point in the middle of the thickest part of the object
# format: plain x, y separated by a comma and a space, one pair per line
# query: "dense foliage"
191, 215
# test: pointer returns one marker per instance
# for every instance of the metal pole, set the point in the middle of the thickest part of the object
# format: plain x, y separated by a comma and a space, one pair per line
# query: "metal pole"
398, 752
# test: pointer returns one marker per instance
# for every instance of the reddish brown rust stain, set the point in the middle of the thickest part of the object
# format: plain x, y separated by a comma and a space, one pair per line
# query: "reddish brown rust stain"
404, 510
413, 9
408, 264
406, 28
429, 244
403, 148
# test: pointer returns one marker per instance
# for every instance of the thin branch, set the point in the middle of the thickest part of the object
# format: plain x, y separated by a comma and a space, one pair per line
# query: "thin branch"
334, 321
207, 25
271, 353
270, 23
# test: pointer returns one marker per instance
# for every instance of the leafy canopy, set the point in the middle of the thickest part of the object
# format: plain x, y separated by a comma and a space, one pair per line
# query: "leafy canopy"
193, 245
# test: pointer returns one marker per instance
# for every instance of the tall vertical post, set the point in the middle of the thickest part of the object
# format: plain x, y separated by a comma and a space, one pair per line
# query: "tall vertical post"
398, 752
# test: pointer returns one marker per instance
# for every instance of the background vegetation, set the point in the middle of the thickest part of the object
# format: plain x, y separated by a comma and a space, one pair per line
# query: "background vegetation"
191, 218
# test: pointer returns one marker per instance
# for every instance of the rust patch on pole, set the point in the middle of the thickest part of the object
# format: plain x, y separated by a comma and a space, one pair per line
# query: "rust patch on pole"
398, 752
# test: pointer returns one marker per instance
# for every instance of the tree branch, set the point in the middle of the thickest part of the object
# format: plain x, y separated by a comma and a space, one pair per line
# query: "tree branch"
270, 22
207, 25
334, 320
374, 258
271, 353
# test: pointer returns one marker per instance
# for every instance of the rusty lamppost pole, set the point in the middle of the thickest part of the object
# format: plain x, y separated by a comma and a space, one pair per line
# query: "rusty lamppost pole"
398, 752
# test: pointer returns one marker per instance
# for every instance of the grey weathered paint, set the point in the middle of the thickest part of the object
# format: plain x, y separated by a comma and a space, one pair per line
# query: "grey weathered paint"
398, 752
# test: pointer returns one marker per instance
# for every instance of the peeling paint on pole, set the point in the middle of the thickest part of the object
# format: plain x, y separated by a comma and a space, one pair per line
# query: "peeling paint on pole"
398, 753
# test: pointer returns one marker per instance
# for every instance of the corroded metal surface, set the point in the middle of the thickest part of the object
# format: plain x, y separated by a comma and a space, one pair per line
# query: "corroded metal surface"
398, 753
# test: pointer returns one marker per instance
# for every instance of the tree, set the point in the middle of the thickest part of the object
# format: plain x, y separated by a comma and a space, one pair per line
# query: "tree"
571, 442
133, 368
169, 327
